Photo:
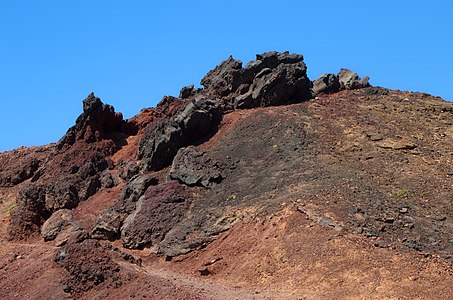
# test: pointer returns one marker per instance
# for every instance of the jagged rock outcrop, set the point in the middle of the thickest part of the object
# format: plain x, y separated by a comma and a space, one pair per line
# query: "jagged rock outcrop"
194, 167
273, 79
63, 228
159, 145
97, 122
157, 211
108, 224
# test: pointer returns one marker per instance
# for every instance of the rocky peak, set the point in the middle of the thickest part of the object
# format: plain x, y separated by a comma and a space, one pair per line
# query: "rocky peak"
97, 121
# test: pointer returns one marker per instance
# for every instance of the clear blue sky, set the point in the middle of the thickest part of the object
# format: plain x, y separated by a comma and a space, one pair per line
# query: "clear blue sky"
131, 53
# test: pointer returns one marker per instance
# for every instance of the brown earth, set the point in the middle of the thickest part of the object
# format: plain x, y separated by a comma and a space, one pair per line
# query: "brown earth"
344, 196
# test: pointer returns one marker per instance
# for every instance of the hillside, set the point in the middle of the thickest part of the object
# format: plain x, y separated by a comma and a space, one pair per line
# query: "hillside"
263, 184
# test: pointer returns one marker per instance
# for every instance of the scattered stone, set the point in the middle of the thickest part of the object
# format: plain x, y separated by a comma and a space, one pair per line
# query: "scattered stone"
375, 136
108, 180
404, 210
205, 272
402, 144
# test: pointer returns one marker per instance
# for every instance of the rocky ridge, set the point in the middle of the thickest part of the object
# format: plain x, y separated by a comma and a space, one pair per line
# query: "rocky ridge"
252, 141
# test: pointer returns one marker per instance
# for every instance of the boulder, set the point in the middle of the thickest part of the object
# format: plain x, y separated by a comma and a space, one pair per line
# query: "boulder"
159, 145
157, 211
350, 80
326, 83
194, 167
108, 225
63, 228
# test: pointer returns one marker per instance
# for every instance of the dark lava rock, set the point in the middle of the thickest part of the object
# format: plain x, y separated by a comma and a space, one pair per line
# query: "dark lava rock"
194, 167
63, 228
159, 145
109, 223
157, 211
97, 121
273, 79
344, 80
326, 83
350, 80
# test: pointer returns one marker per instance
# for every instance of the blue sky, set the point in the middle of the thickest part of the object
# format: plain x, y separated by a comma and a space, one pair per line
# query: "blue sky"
131, 53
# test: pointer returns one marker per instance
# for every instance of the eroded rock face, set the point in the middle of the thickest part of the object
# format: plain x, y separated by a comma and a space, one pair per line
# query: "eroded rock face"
157, 211
194, 167
63, 228
273, 79
159, 145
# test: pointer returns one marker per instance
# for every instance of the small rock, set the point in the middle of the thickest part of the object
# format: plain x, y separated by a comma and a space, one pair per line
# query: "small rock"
403, 210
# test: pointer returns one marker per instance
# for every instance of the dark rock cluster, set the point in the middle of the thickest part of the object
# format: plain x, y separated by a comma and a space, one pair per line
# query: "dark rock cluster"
344, 80
273, 79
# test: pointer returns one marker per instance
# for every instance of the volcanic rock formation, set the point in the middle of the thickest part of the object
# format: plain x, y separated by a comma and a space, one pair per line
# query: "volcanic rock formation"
256, 176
